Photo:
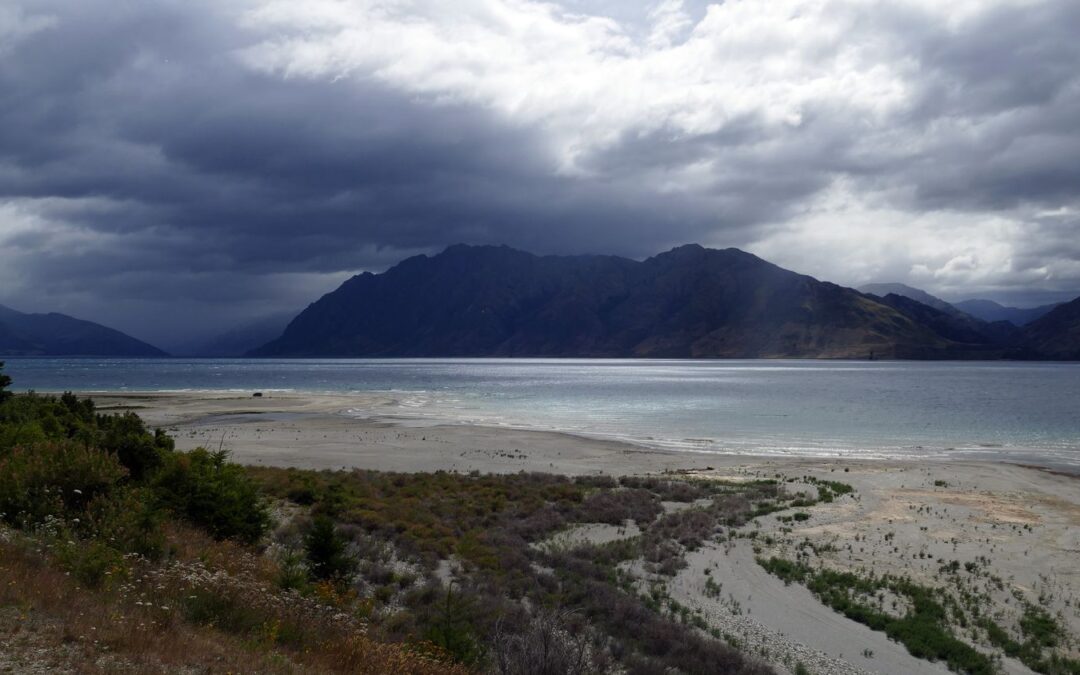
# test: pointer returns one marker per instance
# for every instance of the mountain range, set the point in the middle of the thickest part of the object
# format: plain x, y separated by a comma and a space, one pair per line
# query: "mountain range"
55, 334
988, 310
688, 302
984, 310
903, 290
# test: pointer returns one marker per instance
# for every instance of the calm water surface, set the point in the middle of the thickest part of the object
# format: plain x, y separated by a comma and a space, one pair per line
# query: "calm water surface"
1024, 412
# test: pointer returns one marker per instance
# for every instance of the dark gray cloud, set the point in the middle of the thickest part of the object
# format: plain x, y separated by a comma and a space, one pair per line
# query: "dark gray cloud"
172, 167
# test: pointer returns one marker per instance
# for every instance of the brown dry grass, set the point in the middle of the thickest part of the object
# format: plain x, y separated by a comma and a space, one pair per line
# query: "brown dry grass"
49, 623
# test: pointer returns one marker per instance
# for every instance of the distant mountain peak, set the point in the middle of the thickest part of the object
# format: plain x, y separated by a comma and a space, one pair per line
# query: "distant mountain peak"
55, 334
988, 310
917, 294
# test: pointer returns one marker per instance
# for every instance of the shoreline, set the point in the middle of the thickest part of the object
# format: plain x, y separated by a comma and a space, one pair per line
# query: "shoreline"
908, 517
322, 419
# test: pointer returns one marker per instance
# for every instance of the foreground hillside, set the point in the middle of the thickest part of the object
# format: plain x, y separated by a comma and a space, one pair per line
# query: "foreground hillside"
688, 302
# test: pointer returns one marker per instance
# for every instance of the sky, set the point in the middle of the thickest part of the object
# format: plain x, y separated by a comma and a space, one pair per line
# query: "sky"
175, 167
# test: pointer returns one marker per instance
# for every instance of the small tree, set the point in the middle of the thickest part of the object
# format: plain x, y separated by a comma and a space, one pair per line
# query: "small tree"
326, 554
5, 382
213, 493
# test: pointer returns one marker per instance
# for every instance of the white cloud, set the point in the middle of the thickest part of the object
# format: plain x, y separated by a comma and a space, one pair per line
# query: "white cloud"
857, 238
582, 78
17, 25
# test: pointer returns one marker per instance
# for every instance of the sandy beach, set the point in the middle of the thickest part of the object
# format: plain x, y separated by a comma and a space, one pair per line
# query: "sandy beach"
1021, 523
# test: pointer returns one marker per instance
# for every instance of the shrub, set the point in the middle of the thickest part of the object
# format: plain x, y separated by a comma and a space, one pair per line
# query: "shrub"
545, 645
207, 490
53, 479
618, 506
128, 520
326, 554
453, 631
89, 562
136, 448
292, 572
5, 382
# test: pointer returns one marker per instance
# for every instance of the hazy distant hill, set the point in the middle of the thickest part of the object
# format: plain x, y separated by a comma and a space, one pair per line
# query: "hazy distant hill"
906, 291
61, 335
988, 310
1057, 334
688, 302
238, 340
956, 325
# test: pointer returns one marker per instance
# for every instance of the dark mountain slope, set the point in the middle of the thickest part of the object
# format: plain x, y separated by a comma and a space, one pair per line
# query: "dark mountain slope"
903, 290
1057, 334
688, 302
467, 301
956, 326
697, 302
988, 310
61, 335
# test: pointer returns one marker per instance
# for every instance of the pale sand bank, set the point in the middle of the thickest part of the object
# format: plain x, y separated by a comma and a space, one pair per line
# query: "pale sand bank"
908, 517
315, 431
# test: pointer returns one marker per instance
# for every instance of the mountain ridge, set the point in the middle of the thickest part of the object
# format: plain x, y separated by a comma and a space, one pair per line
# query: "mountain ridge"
688, 302
988, 310
55, 334
1056, 334
883, 289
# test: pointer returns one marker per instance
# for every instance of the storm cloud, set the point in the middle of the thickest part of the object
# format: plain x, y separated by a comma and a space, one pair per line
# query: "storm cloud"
173, 167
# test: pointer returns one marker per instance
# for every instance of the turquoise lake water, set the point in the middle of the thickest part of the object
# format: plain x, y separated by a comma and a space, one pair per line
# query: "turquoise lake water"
1022, 412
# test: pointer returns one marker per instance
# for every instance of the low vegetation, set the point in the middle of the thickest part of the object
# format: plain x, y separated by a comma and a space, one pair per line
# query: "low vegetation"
922, 626
118, 553
456, 559
121, 553
926, 620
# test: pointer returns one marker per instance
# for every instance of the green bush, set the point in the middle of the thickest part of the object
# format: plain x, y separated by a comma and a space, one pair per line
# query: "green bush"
136, 448
5, 382
292, 574
32, 418
326, 551
56, 479
205, 489
128, 520
89, 562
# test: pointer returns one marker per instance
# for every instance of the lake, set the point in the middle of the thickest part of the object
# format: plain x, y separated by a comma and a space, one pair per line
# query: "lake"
1022, 412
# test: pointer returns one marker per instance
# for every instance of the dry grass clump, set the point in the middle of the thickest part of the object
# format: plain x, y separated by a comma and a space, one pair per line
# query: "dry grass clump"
149, 617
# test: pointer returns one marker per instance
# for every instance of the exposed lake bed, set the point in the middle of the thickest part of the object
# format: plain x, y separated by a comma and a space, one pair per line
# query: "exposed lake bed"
1014, 531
